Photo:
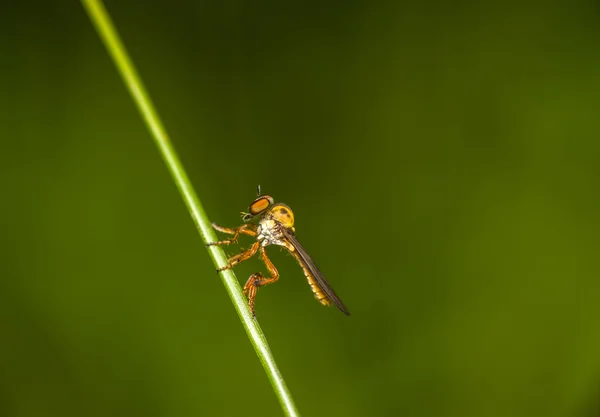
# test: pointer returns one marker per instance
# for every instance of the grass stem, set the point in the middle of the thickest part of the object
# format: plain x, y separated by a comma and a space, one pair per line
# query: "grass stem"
116, 50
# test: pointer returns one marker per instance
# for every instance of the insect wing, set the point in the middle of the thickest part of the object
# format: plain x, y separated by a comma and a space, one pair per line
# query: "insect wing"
309, 266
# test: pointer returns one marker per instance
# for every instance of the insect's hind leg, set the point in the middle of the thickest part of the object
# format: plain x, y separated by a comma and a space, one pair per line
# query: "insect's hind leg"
245, 230
258, 280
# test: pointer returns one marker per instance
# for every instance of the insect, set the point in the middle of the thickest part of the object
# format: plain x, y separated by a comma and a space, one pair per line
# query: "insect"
275, 227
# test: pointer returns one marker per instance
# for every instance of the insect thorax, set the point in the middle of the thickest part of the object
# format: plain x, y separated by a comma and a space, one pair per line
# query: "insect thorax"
270, 232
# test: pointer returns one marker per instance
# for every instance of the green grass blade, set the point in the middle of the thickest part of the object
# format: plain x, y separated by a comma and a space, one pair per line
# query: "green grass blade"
116, 49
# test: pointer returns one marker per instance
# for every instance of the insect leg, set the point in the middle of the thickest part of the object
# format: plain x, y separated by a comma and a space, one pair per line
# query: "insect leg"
258, 280
245, 229
234, 260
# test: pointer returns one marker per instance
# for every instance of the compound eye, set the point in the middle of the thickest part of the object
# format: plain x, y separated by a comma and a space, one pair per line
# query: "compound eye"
260, 204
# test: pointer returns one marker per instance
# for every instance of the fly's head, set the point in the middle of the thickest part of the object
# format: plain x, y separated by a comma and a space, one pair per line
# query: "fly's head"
274, 218
258, 208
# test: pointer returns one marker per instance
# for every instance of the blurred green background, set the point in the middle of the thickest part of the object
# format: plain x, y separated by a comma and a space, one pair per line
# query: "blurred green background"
442, 160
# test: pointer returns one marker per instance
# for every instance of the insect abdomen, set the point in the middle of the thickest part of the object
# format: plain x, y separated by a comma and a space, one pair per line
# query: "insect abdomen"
319, 294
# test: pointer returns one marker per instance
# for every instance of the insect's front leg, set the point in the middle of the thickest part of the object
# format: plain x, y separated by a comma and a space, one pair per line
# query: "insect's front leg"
245, 230
258, 280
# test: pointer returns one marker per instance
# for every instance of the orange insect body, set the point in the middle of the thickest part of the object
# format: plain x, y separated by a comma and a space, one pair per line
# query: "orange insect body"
275, 227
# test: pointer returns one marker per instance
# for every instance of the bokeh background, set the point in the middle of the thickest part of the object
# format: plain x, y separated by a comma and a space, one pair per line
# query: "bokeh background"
442, 160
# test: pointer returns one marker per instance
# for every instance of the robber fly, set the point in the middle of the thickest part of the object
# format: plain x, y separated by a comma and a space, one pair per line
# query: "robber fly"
275, 227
